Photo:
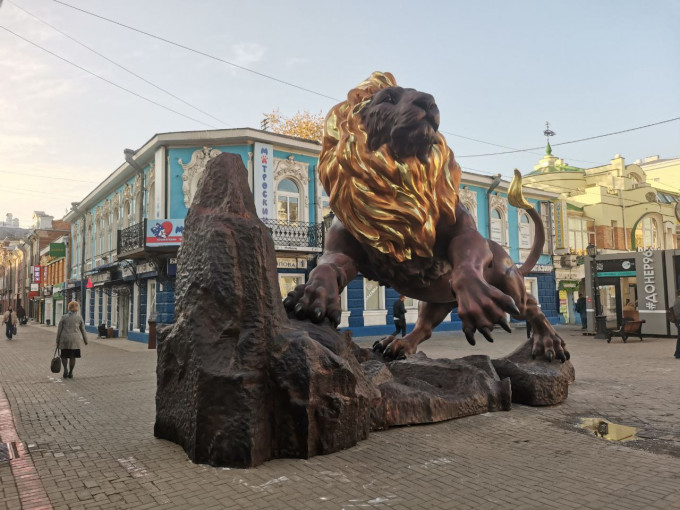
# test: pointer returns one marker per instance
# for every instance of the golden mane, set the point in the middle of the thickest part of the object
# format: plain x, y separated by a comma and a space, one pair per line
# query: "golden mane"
393, 206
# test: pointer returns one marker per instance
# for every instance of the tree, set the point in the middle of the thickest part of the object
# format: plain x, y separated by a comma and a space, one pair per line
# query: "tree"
303, 124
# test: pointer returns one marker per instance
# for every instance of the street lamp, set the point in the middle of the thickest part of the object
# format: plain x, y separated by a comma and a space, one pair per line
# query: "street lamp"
600, 319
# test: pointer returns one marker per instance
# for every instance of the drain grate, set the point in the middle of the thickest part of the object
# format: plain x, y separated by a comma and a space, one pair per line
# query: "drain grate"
8, 451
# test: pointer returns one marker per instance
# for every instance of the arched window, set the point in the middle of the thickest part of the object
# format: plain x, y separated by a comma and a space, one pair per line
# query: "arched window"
648, 234
127, 211
100, 235
288, 200
115, 225
526, 231
139, 205
497, 226
635, 180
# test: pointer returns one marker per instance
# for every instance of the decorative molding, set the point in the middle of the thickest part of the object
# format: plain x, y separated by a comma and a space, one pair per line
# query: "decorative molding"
469, 199
499, 202
152, 175
88, 221
193, 170
138, 187
98, 214
106, 207
290, 168
127, 193
116, 201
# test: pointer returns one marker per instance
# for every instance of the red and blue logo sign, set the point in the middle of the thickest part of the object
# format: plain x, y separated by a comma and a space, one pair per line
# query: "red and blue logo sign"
164, 232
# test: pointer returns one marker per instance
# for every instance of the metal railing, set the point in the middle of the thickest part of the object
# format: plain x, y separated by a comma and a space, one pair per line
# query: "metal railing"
131, 239
296, 234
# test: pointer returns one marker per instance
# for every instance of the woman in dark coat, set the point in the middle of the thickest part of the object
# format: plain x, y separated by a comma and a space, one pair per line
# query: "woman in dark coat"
69, 333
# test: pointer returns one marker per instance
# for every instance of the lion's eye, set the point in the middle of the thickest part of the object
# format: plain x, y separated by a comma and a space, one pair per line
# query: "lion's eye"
387, 98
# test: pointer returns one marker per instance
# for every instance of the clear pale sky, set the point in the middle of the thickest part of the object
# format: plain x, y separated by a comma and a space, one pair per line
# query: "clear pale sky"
498, 70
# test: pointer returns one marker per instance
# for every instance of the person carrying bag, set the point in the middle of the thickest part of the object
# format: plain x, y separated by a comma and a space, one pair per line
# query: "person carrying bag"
69, 333
9, 319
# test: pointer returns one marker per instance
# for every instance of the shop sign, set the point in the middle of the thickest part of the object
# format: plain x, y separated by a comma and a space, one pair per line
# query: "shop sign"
35, 287
100, 279
37, 274
47, 291
616, 268
57, 250
166, 232
569, 285
560, 223
649, 281
58, 288
291, 263
264, 180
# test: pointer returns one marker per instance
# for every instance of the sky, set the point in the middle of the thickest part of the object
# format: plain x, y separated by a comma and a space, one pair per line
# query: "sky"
498, 71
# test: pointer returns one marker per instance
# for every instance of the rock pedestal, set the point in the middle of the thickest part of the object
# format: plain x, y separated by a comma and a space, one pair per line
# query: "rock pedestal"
240, 383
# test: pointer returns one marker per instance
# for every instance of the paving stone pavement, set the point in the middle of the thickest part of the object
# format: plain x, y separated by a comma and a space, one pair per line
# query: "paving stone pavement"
89, 440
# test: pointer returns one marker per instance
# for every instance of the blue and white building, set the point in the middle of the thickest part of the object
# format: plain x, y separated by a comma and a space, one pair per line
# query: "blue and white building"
126, 232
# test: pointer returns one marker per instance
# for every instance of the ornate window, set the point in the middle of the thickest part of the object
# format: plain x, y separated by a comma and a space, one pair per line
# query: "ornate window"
526, 231
291, 179
324, 205
497, 226
88, 241
139, 198
115, 220
100, 233
193, 171
468, 199
127, 206
151, 213
288, 201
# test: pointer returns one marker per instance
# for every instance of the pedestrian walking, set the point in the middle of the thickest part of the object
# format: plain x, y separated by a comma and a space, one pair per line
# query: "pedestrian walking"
69, 333
399, 316
676, 317
581, 310
9, 319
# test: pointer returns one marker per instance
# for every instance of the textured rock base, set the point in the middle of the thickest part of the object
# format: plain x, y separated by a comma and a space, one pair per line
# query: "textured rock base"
239, 382
535, 382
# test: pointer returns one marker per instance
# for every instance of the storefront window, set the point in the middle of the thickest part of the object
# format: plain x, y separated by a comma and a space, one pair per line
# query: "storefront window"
647, 234
288, 282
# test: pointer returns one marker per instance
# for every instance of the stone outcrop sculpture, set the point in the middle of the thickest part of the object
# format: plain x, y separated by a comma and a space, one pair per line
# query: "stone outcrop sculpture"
242, 381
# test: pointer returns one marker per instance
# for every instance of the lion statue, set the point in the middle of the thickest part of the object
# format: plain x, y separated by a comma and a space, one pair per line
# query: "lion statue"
393, 186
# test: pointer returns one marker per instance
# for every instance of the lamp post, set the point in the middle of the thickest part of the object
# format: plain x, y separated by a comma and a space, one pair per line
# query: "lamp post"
600, 319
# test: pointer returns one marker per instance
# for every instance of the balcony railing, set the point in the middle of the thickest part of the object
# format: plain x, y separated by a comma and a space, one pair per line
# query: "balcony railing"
131, 239
298, 235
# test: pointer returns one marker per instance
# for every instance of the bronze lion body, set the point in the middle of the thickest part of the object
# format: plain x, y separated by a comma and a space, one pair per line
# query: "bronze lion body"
393, 186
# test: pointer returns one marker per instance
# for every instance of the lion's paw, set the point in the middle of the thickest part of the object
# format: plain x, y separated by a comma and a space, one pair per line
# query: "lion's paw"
395, 348
317, 298
549, 344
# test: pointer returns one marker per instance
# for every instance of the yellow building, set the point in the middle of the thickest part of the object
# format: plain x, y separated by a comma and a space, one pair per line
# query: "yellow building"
617, 207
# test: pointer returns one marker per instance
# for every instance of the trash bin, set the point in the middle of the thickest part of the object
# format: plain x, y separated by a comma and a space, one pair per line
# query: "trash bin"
47, 322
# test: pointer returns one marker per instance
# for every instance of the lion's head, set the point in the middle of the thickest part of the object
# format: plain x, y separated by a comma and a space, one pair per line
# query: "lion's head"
388, 172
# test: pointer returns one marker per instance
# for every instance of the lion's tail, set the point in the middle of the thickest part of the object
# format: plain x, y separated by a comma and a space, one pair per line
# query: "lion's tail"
516, 199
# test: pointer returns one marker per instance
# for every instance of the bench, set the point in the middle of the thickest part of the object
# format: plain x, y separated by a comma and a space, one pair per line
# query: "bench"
628, 327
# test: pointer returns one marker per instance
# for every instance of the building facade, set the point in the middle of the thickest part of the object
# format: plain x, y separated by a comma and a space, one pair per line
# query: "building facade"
126, 232
618, 208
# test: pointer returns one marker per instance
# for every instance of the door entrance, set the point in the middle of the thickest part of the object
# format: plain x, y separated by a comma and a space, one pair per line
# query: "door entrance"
124, 313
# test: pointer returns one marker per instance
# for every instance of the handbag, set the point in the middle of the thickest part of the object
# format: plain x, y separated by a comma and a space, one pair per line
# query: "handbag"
55, 365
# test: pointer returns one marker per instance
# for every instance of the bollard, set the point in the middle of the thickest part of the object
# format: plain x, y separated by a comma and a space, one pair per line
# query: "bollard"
152, 331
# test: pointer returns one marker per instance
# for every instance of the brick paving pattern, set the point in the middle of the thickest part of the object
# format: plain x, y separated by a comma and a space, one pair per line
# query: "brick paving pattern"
90, 440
